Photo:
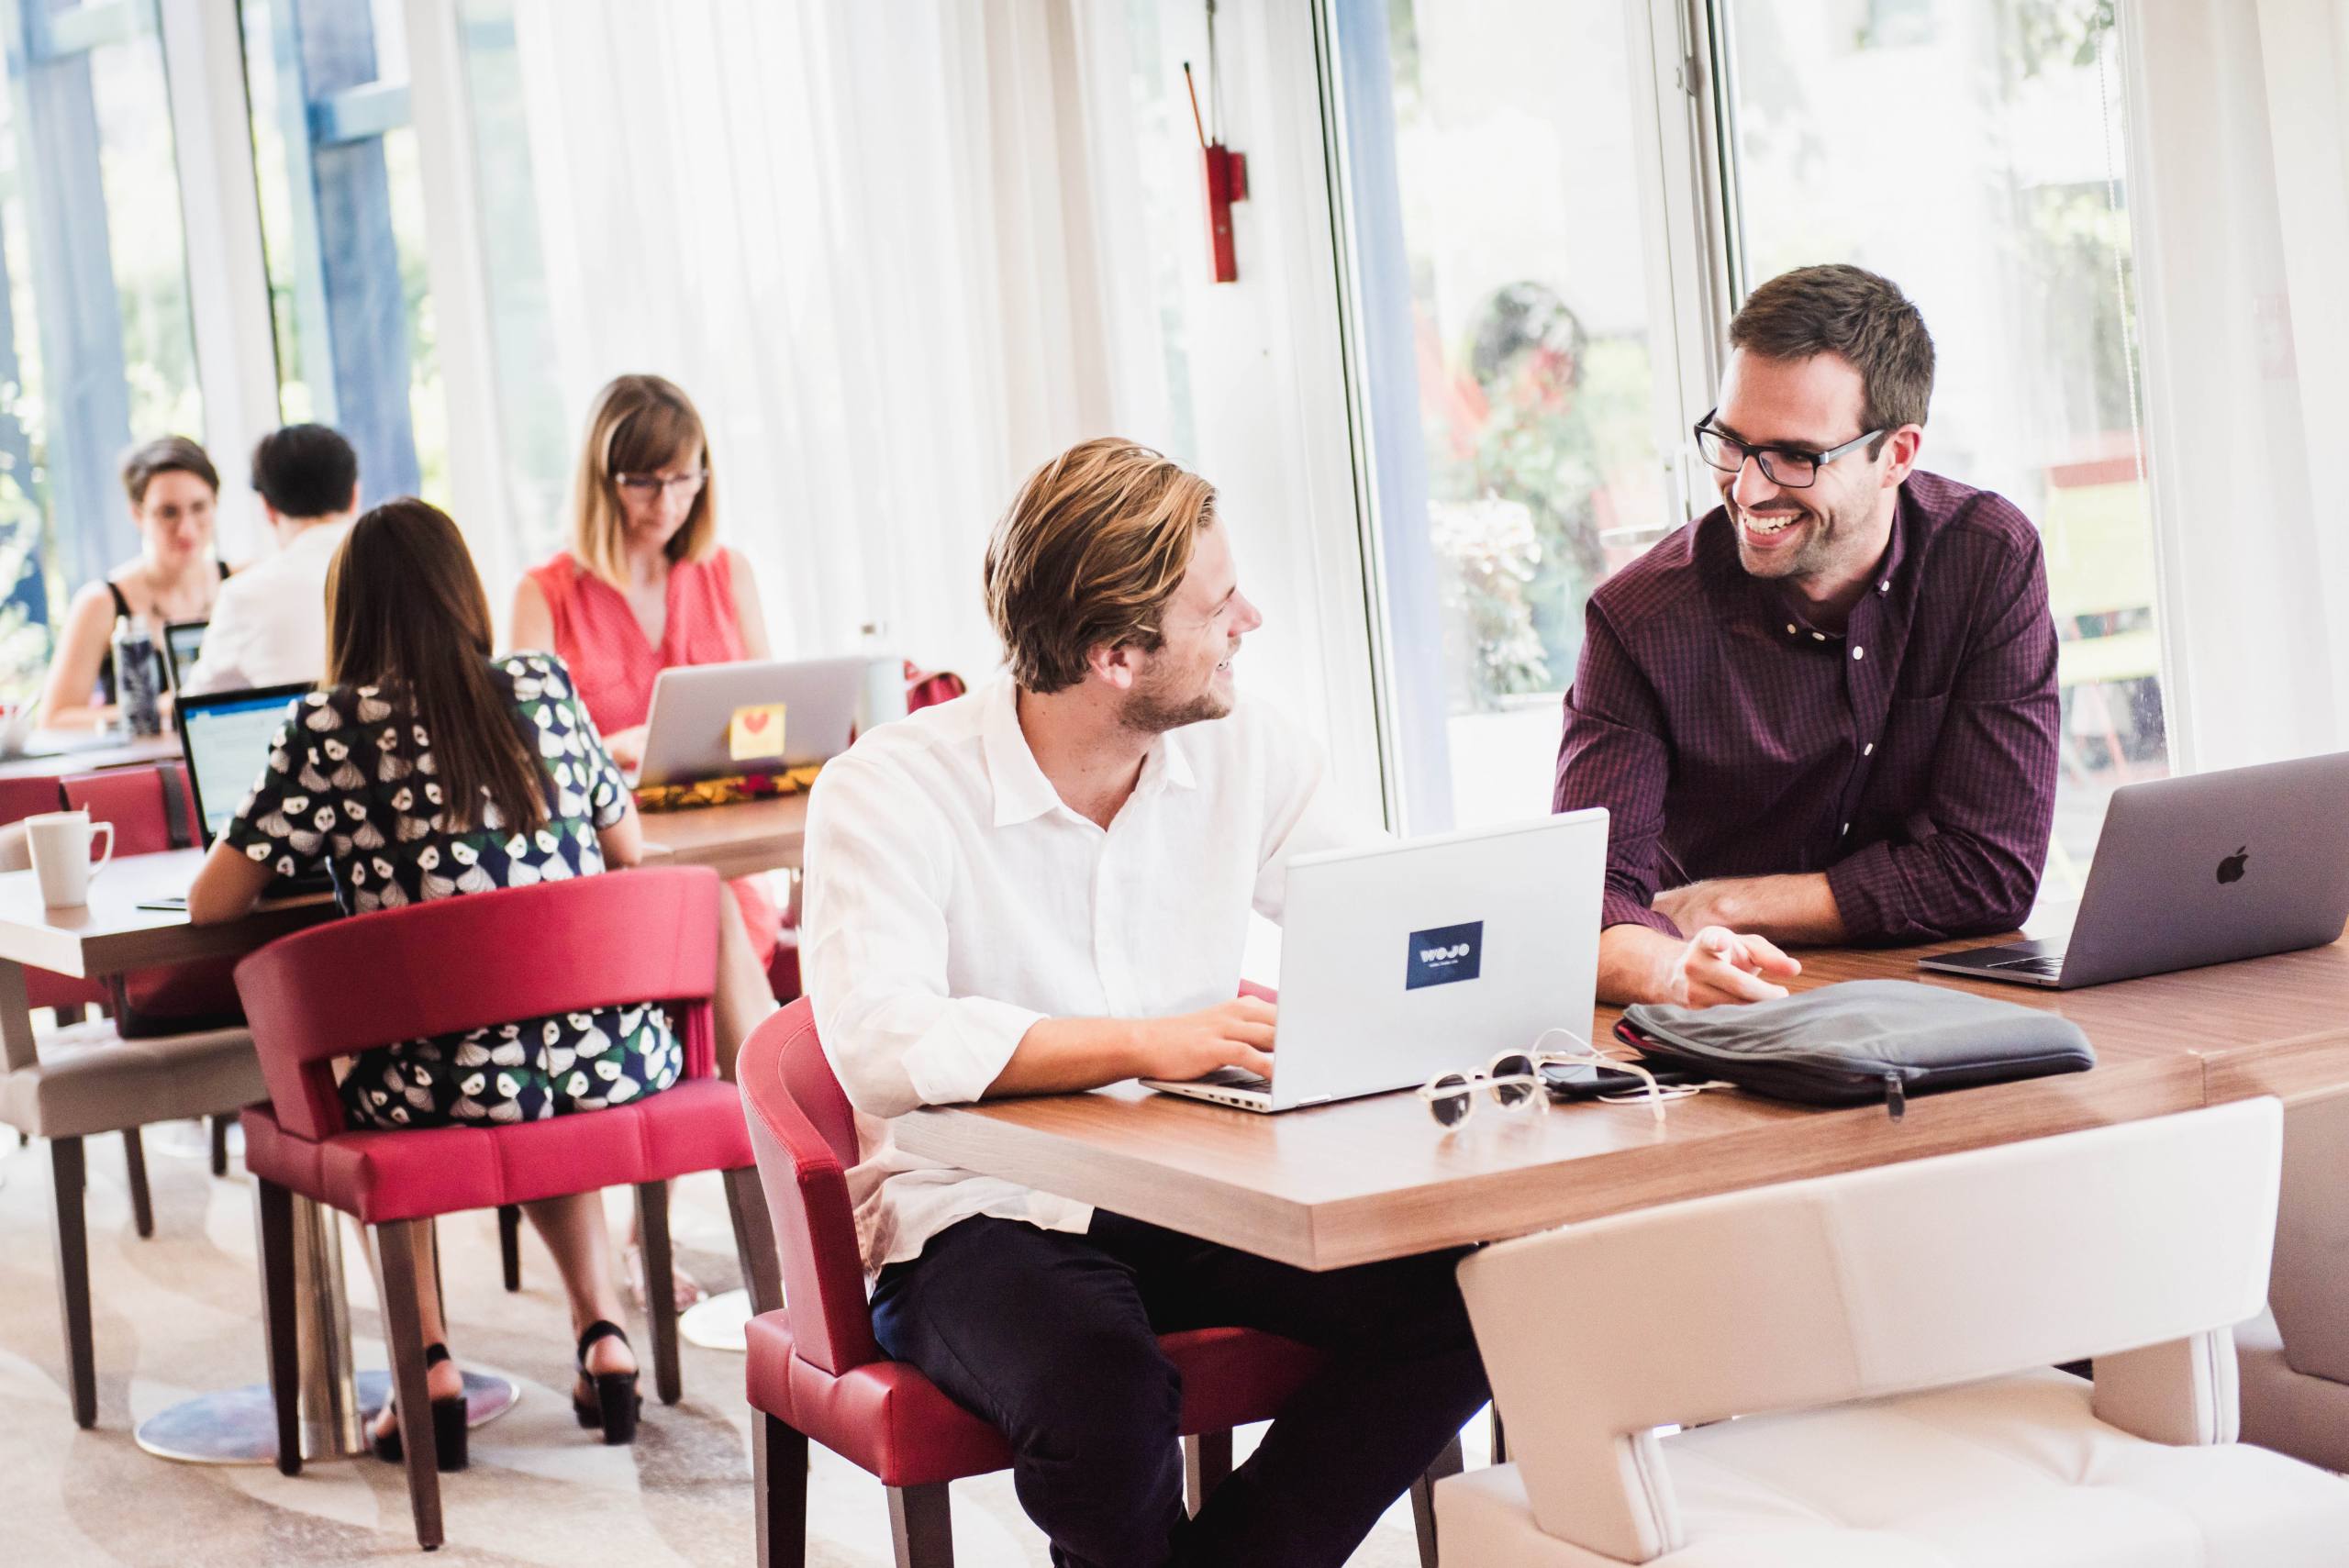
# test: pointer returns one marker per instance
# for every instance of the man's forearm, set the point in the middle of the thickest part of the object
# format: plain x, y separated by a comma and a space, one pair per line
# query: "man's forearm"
1061, 1055
1635, 965
1796, 908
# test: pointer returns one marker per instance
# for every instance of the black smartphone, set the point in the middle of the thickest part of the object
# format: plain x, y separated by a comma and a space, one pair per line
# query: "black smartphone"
1584, 1081
176, 901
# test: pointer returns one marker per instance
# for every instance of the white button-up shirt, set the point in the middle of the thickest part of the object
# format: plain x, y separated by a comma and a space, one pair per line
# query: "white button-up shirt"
269, 624
953, 900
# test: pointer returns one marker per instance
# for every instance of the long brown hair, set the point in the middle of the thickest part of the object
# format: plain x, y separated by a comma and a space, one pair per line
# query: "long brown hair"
638, 424
405, 609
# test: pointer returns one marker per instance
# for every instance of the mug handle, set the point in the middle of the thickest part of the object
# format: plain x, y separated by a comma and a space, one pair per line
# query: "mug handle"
100, 864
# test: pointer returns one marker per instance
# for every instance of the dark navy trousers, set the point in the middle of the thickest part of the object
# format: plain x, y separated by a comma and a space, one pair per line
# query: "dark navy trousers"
1051, 1337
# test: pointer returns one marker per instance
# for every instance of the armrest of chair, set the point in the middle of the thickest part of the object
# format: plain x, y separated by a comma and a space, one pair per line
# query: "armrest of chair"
2183, 1393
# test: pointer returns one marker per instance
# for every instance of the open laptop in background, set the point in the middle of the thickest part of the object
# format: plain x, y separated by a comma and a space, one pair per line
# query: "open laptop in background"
1399, 961
687, 727
2193, 871
183, 645
225, 736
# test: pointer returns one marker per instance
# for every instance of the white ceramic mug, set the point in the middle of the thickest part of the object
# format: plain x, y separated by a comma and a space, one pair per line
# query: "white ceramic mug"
60, 843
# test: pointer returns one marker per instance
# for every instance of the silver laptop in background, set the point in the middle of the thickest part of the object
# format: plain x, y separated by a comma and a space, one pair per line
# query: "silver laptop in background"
685, 731
1399, 961
2193, 871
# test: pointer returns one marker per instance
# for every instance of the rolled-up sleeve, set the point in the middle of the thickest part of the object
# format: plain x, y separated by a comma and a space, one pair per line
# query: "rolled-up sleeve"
1613, 753
1977, 843
880, 872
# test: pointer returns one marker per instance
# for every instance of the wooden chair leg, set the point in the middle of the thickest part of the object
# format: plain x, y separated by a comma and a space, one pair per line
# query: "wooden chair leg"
746, 1207
142, 1205
1206, 1459
220, 1144
274, 1220
779, 1467
1449, 1462
921, 1526
1500, 1439
510, 1242
65, 1163
395, 1244
660, 1286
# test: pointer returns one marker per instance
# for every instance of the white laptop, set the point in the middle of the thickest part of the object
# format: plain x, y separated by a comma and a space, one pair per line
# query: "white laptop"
1403, 960
687, 730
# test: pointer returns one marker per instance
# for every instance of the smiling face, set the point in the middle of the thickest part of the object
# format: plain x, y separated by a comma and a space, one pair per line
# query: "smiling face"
1831, 533
174, 517
1188, 677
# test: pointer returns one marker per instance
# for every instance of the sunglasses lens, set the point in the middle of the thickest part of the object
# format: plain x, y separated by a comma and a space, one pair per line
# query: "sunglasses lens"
1449, 1099
1515, 1066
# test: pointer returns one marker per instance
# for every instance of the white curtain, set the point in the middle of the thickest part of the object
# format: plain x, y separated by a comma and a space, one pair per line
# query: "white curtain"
859, 235
2239, 115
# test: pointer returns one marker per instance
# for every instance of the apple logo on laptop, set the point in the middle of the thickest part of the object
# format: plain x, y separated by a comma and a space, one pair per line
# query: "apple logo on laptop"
2231, 868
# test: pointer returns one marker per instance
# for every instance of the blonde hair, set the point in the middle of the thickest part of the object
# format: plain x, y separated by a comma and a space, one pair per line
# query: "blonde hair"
1092, 551
637, 425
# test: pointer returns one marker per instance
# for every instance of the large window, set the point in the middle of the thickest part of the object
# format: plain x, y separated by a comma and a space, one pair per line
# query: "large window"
343, 224
1970, 150
96, 348
2000, 208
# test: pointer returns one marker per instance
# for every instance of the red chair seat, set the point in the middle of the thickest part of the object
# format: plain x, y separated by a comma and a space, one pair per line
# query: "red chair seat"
695, 1125
886, 1418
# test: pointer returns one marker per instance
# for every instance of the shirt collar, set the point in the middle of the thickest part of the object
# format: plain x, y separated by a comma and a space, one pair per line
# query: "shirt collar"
1022, 793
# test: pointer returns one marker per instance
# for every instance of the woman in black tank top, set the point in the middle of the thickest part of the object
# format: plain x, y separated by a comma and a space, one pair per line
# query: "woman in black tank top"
172, 487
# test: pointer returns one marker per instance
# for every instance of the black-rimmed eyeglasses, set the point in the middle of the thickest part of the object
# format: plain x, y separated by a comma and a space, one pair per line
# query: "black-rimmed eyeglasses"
1788, 468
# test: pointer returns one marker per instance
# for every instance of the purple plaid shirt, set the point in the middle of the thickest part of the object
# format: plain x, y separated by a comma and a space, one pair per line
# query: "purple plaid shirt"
1911, 757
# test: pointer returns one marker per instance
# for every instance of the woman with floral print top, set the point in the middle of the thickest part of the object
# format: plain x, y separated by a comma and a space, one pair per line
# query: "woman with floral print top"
425, 769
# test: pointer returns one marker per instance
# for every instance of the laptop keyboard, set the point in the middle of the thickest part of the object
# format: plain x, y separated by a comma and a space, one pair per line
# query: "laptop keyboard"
2049, 965
1239, 1078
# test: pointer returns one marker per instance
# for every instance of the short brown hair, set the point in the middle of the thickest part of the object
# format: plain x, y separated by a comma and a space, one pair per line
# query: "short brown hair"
166, 455
638, 424
1093, 549
1853, 313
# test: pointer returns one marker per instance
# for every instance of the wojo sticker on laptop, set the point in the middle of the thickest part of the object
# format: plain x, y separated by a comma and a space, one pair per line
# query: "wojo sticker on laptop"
1444, 955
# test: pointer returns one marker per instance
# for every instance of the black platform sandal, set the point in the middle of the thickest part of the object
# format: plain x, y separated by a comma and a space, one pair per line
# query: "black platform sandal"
448, 1426
616, 1404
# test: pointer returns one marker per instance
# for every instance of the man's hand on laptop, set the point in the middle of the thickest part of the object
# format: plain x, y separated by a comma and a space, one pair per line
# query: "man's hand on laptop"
1237, 1033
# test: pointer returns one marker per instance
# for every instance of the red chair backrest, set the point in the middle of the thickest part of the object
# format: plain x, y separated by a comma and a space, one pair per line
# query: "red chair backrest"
924, 687
20, 798
476, 960
134, 800
805, 1136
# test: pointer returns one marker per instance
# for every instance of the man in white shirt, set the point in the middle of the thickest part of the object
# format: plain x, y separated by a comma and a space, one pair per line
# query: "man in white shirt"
1044, 885
268, 625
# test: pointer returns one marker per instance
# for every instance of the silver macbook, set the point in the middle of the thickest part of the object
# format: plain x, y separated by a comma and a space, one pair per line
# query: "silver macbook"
2201, 870
1403, 961
686, 730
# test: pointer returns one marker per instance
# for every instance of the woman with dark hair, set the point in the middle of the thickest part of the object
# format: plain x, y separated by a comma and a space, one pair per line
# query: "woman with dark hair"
425, 769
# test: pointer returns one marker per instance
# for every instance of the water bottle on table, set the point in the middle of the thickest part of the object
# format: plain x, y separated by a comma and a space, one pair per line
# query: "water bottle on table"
885, 679
138, 677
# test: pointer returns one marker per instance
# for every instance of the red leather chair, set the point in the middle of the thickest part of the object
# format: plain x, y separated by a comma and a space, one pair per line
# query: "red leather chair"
69, 995
816, 1372
459, 964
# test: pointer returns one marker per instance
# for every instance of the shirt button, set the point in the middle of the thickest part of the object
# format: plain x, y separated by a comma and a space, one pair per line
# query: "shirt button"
1790, 628
1868, 750
1818, 637
1885, 586
1847, 828
1859, 652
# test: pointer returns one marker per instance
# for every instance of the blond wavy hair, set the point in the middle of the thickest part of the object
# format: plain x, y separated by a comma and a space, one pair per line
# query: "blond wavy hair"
637, 425
1092, 550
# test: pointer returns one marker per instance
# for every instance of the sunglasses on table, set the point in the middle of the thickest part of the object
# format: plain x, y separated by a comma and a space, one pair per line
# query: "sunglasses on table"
1514, 1081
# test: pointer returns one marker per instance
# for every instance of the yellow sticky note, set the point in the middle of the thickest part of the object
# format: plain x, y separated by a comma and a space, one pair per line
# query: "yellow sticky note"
756, 733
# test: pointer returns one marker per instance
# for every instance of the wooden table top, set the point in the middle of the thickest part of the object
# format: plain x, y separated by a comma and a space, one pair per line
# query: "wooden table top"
737, 841
124, 752
111, 933
1376, 1178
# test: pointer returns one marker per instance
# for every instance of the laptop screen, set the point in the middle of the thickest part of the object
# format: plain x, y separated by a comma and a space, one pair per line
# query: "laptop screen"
184, 641
227, 739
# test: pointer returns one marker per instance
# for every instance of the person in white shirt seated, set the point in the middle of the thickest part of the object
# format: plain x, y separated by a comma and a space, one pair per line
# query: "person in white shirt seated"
268, 625
1045, 885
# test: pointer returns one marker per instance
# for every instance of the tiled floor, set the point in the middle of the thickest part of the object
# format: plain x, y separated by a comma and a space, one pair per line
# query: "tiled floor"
179, 1313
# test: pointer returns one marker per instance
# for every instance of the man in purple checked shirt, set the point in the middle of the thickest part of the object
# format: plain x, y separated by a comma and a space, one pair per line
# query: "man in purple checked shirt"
1825, 711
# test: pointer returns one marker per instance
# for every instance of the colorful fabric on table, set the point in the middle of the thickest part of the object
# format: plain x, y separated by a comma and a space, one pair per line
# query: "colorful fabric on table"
732, 790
